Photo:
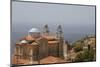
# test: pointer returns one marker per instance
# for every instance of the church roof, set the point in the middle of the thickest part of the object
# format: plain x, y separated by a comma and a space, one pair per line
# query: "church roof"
50, 37
23, 41
34, 30
34, 43
29, 37
51, 59
51, 42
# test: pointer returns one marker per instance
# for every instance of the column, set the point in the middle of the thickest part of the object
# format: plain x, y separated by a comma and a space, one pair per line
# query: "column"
31, 56
65, 50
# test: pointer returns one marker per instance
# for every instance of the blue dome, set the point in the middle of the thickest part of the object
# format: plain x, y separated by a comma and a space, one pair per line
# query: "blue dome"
34, 30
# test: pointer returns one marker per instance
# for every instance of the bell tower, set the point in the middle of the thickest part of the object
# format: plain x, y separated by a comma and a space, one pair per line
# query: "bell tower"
46, 30
60, 41
59, 32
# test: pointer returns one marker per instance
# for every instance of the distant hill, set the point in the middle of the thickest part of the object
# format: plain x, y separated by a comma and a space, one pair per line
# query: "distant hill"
86, 40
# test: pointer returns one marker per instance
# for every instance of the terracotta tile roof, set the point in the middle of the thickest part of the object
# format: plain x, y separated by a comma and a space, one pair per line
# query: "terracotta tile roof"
51, 59
50, 42
34, 43
50, 37
29, 38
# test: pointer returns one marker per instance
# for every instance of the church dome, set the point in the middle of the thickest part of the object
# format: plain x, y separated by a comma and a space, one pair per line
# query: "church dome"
34, 30
23, 42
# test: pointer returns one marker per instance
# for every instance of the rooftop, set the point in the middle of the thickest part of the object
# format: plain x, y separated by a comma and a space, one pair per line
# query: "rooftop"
34, 30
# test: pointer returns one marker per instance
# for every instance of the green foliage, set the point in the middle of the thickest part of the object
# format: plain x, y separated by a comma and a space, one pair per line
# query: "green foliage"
86, 55
79, 57
83, 54
78, 47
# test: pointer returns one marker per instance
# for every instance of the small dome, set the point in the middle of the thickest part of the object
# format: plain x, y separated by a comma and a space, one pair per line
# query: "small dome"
23, 41
34, 30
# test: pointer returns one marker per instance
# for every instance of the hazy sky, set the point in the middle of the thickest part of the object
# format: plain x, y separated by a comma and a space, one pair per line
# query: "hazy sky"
76, 21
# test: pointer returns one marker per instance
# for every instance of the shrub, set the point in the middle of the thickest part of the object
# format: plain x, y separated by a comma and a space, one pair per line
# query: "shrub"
86, 55
79, 57
78, 47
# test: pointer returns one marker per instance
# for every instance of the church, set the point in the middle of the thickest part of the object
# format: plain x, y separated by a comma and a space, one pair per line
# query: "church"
38, 45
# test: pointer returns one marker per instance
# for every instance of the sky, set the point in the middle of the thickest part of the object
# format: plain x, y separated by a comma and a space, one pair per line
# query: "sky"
76, 21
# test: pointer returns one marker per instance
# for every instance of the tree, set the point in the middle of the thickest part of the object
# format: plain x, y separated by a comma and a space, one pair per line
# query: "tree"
78, 47
79, 57
86, 55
